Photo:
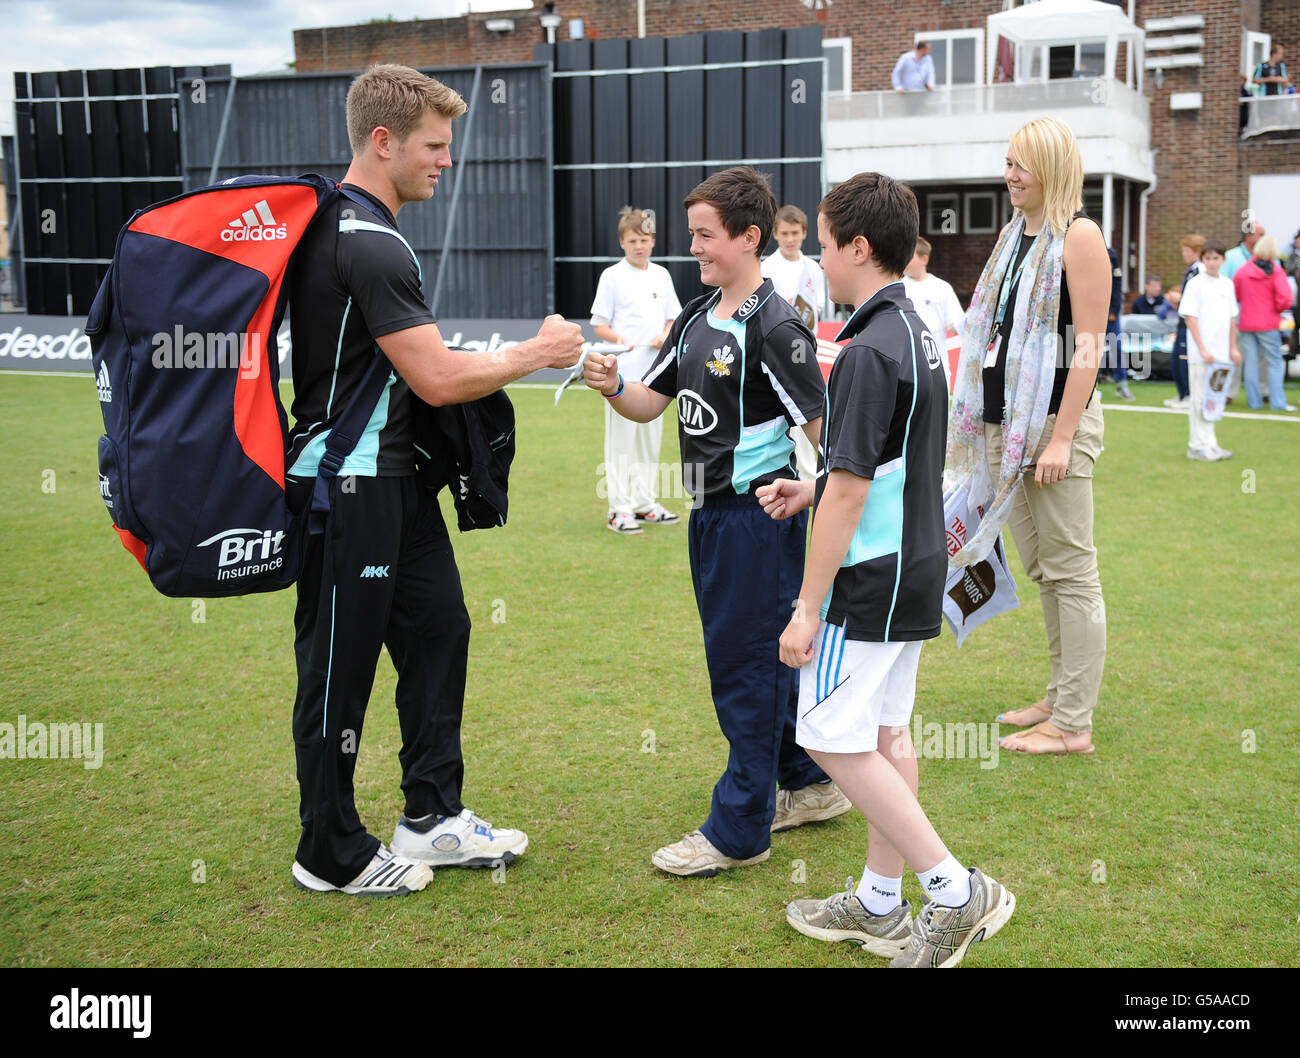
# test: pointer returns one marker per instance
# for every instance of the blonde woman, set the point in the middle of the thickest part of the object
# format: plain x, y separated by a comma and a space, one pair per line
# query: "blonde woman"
1026, 409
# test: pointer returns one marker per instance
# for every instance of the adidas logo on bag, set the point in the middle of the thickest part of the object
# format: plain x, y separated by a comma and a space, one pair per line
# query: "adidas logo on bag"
103, 385
255, 225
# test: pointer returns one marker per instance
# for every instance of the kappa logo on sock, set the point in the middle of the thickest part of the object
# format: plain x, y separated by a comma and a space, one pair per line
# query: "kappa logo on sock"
935, 884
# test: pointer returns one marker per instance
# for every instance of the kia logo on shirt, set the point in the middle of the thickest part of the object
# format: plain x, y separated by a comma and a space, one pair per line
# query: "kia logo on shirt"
695, 414
748, 306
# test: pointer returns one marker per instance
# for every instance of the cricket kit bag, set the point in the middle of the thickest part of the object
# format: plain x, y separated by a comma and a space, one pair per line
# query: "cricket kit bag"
183, 333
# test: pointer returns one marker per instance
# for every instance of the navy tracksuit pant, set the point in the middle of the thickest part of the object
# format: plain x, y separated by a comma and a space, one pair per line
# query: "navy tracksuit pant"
747, 570
383, 574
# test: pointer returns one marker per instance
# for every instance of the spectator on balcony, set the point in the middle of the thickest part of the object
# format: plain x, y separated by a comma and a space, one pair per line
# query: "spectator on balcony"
1191, 246
1262, 293
914, 71
1271, 76
1025, 407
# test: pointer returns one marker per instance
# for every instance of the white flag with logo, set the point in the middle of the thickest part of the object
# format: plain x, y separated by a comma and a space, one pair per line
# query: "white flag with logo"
976, 593
1217, 377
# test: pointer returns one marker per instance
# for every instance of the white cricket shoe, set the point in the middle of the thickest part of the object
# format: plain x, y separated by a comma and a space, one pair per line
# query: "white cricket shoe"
459, 841
387, 875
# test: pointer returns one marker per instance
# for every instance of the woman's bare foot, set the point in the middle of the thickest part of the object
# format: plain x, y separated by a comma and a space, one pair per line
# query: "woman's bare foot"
1048, 738
1028, 716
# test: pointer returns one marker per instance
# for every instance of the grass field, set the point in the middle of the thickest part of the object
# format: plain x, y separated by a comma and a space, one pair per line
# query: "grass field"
1176, 844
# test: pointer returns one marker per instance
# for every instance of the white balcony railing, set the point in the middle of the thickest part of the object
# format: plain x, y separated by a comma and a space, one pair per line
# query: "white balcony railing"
961, 132
1271, 114
971, 100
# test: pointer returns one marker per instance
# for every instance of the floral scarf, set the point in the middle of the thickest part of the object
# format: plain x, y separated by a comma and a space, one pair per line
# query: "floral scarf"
1031, 359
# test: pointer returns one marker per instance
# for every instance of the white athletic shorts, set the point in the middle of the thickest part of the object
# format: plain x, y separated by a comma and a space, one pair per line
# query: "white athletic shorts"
851, 688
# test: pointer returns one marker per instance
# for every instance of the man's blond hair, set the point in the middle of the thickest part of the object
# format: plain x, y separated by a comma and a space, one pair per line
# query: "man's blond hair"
396, 98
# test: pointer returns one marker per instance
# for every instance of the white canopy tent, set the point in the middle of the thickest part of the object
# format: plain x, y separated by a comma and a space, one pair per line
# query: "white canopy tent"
1057, 23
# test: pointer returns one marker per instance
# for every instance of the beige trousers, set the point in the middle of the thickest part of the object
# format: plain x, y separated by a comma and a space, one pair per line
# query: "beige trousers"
1052, 528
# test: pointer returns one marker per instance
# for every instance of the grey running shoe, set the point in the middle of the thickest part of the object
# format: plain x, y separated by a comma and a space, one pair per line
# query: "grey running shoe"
813, 803
842, 917
941, 935
1203, 455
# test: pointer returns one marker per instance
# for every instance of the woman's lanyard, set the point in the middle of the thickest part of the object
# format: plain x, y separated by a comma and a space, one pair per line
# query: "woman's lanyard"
1009, 283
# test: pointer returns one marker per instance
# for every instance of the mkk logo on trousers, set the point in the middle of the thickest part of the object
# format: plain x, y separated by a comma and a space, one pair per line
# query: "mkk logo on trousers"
374, 571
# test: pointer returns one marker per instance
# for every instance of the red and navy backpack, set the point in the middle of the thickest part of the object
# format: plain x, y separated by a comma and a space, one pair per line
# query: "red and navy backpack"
183, 332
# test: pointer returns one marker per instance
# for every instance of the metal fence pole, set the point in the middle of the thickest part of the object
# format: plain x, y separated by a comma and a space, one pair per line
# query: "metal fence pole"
221, 131
455, 191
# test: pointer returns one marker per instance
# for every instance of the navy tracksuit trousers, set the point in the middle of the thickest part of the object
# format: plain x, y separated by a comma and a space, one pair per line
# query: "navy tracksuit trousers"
747, 570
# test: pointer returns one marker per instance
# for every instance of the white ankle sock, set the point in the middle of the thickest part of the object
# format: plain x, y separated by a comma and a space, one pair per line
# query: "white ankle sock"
946, 883
879, 895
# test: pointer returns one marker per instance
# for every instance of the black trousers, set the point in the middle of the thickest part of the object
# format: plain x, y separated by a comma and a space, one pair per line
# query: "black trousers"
383, 573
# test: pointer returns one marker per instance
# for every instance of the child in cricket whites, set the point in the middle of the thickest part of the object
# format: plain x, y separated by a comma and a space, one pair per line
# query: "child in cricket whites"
635, 304
742, 368
872, 591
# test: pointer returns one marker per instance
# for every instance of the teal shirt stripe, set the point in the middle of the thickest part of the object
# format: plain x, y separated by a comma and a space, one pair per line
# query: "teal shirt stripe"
902, 477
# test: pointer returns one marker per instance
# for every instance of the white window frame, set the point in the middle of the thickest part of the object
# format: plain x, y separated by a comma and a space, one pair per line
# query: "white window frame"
951, 197
845, 44
954, 34
1253, 43
967, 227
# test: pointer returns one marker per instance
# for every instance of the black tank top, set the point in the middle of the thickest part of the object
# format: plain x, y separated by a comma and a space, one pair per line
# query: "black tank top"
995, 376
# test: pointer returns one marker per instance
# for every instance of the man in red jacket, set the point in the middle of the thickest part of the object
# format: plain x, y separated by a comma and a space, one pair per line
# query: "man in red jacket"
1262, 293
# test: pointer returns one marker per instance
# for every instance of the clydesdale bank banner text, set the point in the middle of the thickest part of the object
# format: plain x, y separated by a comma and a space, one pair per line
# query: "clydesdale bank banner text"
59, 343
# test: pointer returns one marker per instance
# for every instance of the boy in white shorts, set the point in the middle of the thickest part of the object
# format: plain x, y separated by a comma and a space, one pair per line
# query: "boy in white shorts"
875, 571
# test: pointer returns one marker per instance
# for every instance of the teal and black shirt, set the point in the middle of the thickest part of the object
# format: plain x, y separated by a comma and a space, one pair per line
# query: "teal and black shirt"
350, 283
886, 420
740, 384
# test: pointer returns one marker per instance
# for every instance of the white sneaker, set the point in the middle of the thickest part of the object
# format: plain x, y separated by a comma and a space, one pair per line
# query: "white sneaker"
812, 804
387, 875
1203, 455
695, 856
1220, 453
656, 515
459, 841
624, 523
1181, 403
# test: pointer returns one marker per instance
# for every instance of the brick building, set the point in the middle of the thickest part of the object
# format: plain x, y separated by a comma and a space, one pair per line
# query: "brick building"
1176, 139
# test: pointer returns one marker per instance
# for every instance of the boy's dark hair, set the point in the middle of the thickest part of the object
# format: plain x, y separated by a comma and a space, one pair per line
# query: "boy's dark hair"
879, 208
742, 196
1214, 246
1153, 277
791, 215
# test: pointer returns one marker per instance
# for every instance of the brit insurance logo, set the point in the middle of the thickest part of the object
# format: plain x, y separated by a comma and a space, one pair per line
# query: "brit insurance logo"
243, 552
255, 225
722, 358
696, 416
